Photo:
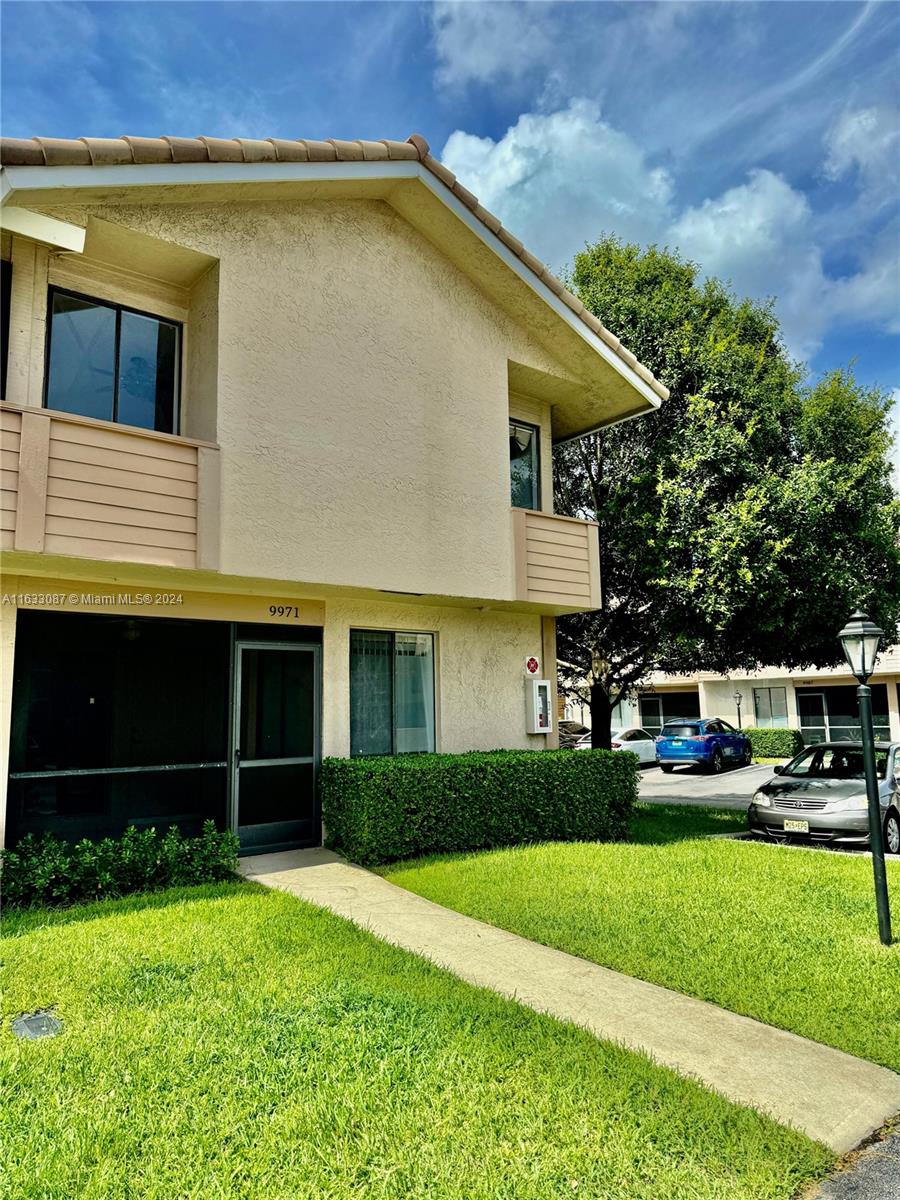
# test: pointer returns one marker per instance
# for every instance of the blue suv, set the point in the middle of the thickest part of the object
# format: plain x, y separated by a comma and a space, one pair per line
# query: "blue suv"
706, 742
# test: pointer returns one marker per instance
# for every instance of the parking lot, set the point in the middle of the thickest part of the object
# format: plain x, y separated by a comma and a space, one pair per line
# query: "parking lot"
688, 785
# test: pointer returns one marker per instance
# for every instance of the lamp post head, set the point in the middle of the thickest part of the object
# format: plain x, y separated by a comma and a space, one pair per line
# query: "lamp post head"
737, 697
860, 639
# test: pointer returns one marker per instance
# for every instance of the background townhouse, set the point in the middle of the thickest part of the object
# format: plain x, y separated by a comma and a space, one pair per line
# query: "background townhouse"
820, 701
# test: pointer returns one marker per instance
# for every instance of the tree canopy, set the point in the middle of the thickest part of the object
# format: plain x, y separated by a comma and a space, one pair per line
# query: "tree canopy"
740, 524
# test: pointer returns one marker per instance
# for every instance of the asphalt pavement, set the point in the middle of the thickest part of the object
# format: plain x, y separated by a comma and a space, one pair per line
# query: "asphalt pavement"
688, 785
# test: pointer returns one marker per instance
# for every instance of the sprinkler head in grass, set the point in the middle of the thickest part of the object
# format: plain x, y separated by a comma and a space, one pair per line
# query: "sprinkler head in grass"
36, 1025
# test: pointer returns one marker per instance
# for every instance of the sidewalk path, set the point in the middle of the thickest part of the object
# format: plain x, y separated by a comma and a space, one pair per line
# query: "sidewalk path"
831, 1096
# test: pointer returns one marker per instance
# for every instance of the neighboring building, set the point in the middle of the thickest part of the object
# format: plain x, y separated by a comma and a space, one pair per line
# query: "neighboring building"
820, 702
277, 478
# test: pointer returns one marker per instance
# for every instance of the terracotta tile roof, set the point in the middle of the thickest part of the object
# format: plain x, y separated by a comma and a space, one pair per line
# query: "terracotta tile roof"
90, 151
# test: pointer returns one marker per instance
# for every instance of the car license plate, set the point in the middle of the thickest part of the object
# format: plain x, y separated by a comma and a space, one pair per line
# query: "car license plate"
677, 742
796, 826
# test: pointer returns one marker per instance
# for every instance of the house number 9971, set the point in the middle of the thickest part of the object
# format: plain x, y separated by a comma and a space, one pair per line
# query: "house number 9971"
290, 612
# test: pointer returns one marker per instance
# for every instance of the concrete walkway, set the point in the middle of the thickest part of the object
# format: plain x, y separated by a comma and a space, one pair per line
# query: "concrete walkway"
829, 1095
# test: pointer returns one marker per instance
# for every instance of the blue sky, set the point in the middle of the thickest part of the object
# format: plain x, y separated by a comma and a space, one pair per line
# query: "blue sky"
761, 139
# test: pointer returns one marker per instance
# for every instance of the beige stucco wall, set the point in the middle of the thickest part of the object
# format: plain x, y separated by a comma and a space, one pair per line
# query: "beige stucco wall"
363, 397
479, 679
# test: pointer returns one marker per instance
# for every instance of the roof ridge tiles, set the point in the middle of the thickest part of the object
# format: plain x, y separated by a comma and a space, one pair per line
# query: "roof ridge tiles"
136, 151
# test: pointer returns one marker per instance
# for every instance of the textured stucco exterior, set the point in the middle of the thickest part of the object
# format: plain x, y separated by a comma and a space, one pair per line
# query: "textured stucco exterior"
363, 397
479, 680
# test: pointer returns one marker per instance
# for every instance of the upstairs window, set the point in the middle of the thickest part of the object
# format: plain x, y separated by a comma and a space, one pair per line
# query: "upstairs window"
112, 363
5, 299
524, 465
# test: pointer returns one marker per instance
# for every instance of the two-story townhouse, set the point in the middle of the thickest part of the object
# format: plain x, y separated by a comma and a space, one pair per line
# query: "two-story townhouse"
277, 428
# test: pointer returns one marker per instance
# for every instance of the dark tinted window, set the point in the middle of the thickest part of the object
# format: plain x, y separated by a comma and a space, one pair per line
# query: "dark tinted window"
5, 298
81, 376
677, 731
111, 363
524, 468
148, 358
827, 762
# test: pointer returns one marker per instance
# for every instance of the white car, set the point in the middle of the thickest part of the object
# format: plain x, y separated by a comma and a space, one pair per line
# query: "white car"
638, 741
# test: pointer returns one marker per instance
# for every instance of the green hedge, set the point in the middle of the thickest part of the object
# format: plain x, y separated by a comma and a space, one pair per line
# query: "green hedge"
46, 870
775, 743
377, 810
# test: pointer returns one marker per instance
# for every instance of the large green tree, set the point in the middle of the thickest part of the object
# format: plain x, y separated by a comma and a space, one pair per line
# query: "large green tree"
741, 523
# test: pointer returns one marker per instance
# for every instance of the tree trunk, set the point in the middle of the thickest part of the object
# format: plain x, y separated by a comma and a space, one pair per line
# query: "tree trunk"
601, 718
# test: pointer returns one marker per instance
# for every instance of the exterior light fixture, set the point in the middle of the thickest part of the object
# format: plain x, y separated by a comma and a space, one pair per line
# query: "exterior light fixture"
737, 703
860, 639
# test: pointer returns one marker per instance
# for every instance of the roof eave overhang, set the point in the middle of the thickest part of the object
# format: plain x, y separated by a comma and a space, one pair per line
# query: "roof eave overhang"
18, 184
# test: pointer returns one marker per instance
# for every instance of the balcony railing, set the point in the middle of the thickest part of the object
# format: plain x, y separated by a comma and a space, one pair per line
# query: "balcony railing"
72, 485
557, 561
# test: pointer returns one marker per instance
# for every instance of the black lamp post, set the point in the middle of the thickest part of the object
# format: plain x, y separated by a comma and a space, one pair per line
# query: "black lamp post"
737, 701
860, 639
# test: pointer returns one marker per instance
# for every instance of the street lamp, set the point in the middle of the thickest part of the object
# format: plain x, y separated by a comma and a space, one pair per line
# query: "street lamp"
860, 639
737, 701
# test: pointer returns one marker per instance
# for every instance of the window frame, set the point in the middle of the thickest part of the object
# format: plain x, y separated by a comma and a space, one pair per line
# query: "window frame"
536, 444
118, 308
392, 633
6, 272
782, 718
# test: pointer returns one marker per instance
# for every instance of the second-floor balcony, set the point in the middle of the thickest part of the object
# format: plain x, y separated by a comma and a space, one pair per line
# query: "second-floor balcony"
84, 488
557, 561
75, 486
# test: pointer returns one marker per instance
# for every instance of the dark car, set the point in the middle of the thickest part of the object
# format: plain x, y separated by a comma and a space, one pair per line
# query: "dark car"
707, 742
820, 796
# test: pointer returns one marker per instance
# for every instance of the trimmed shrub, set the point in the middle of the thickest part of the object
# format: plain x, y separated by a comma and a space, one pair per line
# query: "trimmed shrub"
775, 743
377, 810
46, 870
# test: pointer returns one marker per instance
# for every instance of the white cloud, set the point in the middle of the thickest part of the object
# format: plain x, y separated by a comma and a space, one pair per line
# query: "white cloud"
868, 139
477, 42
560, 179
894, 425
759, 236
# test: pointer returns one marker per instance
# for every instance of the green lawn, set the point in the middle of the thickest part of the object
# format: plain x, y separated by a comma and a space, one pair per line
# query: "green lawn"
787, 936
227, 1042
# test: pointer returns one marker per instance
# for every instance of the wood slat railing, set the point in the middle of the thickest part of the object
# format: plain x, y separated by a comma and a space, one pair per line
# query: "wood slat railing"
557, 561
75, 486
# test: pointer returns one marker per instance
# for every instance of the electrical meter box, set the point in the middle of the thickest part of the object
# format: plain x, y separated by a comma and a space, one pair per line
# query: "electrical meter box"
538, 716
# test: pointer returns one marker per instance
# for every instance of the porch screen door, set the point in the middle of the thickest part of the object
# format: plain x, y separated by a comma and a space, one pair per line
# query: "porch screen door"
276, 746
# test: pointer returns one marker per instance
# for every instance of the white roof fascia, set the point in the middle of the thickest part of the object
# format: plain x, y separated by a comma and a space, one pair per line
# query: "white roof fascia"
39, 228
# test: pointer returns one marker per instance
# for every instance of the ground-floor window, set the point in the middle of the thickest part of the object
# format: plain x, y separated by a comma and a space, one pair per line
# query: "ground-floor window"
770, 707
391, 692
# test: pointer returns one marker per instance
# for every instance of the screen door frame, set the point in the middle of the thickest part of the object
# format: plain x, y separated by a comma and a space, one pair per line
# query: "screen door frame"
236, 764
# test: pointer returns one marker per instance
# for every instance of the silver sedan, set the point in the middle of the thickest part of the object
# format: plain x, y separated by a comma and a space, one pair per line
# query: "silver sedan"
820, 796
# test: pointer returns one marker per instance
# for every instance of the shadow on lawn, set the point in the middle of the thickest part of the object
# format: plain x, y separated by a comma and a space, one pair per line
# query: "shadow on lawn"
17, 921
659, 824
